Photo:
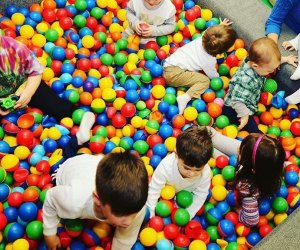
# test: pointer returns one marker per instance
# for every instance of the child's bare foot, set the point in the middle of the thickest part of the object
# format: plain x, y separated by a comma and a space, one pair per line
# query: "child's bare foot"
86, 124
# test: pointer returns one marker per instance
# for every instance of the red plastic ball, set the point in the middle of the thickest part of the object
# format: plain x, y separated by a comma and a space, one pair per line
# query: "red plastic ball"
221, 161
128, 110
84, 64
233, 217
118, 121
157, 223
65, 22
25, 138
154, 139
264, 230
15, 199
193, 229
171, 231
295, 128
232, 60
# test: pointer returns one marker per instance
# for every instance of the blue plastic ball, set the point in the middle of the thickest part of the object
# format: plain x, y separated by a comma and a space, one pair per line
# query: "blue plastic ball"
139, 135
145, 93
60, 3
233, 160
58, 86
164, 244
213, 246
28, 211
4, 192
223, 206
58, 53
67, 68
138, 246
160, 149
10, 10
165, 131
156, 70
253, 238
163, 107
13, 231
102, 119
36, 16
265, 207
199, 105
226, 228
155, 160
132, 96
130, 84
11, 214
109, 146
173, 110
50, 145
291, 178
77, 81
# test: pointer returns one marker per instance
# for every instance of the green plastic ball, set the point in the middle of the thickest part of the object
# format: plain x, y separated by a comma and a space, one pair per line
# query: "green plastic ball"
196, 35
80, 5
77, 115
120, 59
2, 174
34, 230
184, 198
149, 54
119, 74
49, 61
152, 125
215, 171
222, 121
146, 77
79, 21
181, 217
106, 59
162, 209
220, 93
232, 246
74, 225
97, 12
274, 130
213, 233
141, 147
270, 86
286, 133
216, 83
228, 173
9, 180
2, 132
101, 36
51, 35
203, 119
140, 105
73, 97
200, 23
223, 69
42, 196
170, 98
144, 113
280, 205
207, 206
124, 144
122, 43
162, 40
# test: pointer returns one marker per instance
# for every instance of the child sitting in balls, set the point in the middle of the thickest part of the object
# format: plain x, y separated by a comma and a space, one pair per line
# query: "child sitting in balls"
246, 84
21, 74
258, 171
181, 68
150, 18
111, 188
185, 169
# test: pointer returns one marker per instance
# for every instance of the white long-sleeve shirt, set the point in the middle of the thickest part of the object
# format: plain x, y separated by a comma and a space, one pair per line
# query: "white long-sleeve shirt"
167, 173
72, 198
161, 18
193, 57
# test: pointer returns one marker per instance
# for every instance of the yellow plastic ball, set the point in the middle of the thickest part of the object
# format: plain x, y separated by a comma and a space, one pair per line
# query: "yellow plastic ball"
218, 179
67, 122
180, 24
158, 91
128, 130
134, 58
38, 40
285, 124
178, 37
225, 80
197, 245
270, 215
10, 162
190, 114
241, 53
212, 162
106, 82
18, 18
148, 237
121, 14
134, 39
95, 73
278, 218
206, 14
263, 128
116, 140
115, 27
160, 235
11, 140
48, 74
42, 27
146, 160
219, 192
20, 244
22, 152
26, 31
168, 192
54, 133
136, 121
170, 143
109, 95
119, 102
261, 108
276, 113
230, 131
102, 229
233, 70
88, 41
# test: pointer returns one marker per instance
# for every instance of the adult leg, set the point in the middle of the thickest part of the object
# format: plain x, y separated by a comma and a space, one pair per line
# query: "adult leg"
296, 74
49, 102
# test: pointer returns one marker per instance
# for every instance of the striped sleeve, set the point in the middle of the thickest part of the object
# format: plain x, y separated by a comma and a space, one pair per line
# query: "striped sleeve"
249, 214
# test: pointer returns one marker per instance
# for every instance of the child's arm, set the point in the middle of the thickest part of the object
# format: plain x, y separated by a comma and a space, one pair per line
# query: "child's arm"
242, 112
225, 22
133, 20
124, 238
161, 30
158, 181
291, 59
292, 44
201, 192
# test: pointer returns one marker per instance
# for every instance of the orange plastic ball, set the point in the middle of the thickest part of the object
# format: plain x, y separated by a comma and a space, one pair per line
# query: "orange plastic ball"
214, 109
266, 118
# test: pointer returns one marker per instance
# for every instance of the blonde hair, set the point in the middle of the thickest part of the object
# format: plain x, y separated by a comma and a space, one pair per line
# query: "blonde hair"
263, 51
218, 39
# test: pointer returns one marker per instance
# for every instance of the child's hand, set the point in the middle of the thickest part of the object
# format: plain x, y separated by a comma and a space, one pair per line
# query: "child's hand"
4, 112
147, 31
226, 21
291, 59
288, 46
25, 97
52, 242
243, 121
138, 29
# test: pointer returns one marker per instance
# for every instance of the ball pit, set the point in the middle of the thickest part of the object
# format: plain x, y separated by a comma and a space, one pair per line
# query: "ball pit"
88, 63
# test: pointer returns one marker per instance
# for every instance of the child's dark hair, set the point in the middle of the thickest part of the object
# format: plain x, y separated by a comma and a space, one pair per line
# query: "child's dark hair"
260, 164
263, 50
122, 183
218, 39
194, 146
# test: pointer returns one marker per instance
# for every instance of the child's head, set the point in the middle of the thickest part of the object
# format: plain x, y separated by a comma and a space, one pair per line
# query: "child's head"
261, 163
218, 39
194, 149
121, 187
152, 3
264, 56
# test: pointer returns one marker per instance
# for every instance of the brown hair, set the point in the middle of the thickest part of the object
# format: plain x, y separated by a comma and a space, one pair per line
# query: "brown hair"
194, 146
263, 50
218, 39
122, 183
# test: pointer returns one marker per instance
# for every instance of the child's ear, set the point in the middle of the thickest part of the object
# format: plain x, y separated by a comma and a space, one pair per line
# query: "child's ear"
96, 199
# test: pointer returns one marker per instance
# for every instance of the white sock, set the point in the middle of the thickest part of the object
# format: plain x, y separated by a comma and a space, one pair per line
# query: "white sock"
84, 132
293, 98
182, 101
296, 74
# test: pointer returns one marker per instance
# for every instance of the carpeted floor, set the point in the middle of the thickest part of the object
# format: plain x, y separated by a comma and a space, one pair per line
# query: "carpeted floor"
18, 3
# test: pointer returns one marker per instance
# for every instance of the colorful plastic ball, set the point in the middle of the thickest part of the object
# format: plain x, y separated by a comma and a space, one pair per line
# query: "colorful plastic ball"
10, 162
213, 216
213, 233
280, 205
291, 178
181, 217
152, 126
223, 69
214, 109
264, 230
162, 209
168, 192
225, 228
13, 231
295, 128
141, 147
160, 149
4, 192
90, 238
28, 211
222, 121
270, 86
184, 198
203, 119
228, 173
190, 113
219, 193
158, 91
181, 242
164, 244
20, 244
230, 131
156, 223
253, 238
216, 83
148, 237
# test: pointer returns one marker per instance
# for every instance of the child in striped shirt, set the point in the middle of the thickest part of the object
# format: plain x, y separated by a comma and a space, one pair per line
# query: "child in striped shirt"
258, 173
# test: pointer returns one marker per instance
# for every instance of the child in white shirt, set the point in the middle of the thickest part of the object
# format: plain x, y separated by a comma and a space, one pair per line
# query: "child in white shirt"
150, 18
